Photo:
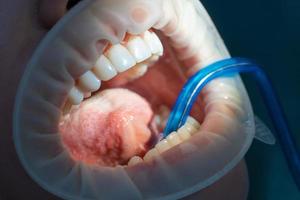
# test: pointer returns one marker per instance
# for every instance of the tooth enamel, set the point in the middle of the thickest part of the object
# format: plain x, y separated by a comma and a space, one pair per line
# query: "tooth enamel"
89, 82
138, 71
162, 146
150, 154
135, 160
158, 44
75, 96
183, 134
193, 122
173, 139
120, 58
104, 69
139, 49
191, 129
152, 60
153, 42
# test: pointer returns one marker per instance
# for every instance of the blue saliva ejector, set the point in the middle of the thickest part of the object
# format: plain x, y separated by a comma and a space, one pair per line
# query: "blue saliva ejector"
229, 67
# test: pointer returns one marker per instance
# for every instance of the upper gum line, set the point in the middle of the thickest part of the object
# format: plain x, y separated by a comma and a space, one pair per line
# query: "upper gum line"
173, 27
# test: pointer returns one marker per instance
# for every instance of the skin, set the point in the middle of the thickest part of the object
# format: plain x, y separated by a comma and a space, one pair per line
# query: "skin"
25, 24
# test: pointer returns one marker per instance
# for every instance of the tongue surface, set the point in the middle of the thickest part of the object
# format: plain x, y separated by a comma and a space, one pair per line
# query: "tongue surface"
107, 129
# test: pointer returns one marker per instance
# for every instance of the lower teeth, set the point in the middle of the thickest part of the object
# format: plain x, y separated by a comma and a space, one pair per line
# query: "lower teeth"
190, 128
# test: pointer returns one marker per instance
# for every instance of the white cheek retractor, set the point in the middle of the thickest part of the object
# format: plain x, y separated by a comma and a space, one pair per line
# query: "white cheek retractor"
72, 47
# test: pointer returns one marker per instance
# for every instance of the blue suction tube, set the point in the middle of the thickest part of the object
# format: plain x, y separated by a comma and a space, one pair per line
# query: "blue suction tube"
227, 67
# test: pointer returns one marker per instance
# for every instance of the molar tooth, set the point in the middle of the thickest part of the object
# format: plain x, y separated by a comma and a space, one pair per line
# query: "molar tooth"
190, 128
150, 154
75, 96
104, 69
89, 82
193, 122
153, 42
135, 160
138, 71
173, 139
162, 146
120, 58
139, 49
183, 133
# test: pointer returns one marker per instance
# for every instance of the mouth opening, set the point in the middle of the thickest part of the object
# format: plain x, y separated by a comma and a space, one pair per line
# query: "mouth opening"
120, 107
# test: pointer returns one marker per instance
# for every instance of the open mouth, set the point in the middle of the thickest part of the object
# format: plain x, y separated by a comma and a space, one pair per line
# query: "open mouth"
97, 93
107, 128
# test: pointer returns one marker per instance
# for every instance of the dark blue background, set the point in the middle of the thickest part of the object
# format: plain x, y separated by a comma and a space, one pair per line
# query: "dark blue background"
269, 32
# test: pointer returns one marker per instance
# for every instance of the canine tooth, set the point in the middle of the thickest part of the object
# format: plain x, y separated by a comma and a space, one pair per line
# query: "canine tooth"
173, 139
183, 134
139, 49
120, 58
153, 42
135, 160
89, 82
150, 154
104, 69
75, 96
162, 146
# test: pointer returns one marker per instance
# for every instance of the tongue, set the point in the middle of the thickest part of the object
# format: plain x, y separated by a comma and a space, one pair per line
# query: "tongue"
107, 129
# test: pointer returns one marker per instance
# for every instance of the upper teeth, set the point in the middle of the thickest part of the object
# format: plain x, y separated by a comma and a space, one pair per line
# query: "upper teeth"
104, 69
138, 48
118, 58
153, 42
75, 96
89, 82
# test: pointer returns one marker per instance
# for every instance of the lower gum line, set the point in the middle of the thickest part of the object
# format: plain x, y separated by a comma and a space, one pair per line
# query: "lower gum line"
164, 144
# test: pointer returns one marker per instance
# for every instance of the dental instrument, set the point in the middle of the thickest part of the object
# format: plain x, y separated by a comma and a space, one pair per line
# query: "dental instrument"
229, 67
